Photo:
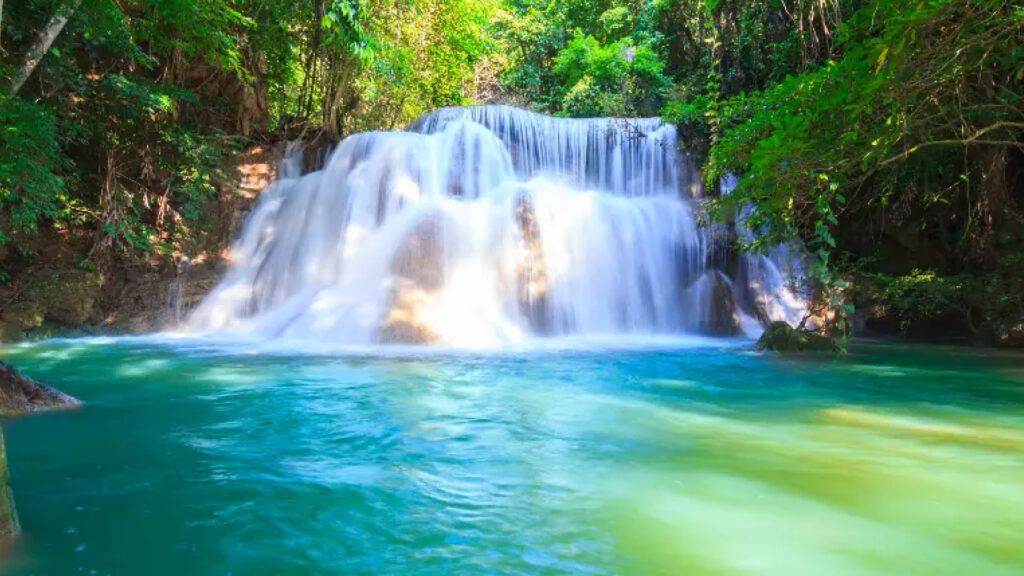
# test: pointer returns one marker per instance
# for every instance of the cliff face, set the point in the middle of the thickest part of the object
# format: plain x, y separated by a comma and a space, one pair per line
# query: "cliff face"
53, 295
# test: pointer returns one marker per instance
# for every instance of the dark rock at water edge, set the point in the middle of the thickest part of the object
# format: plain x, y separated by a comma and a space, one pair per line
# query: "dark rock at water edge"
9, 525
21, 395
781, 337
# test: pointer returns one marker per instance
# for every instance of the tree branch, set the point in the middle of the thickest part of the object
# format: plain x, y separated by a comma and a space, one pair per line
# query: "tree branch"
973, 139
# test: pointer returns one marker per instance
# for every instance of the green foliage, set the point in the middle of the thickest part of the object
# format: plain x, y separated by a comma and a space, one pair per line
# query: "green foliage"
31, 165
580, 58
989, 303
617, 79
901, 114
426, 55
920, 295
125, 131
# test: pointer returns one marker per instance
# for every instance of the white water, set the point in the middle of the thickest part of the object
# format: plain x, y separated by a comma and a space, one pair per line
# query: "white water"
483, 227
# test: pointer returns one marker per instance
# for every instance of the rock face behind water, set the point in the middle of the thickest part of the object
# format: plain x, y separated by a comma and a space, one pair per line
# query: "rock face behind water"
781, 337
418, 279
21, 395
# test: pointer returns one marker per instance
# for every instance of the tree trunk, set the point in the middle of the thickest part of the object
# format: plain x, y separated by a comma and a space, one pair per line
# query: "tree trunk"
42, 44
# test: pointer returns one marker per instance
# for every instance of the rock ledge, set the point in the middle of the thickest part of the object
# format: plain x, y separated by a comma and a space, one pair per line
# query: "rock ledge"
21, 395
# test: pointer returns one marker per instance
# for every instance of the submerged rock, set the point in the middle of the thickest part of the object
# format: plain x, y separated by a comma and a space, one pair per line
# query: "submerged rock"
21, 395
781, 337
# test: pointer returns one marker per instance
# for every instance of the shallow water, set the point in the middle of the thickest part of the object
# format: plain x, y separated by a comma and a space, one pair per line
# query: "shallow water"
701, 459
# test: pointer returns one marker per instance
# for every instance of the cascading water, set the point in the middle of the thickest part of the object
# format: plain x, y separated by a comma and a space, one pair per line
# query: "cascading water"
481, 226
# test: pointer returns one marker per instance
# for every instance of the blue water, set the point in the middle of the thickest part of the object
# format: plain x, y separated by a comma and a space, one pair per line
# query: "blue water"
662, 459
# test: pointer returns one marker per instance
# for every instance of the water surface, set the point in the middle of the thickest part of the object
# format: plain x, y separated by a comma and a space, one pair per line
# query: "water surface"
661, 460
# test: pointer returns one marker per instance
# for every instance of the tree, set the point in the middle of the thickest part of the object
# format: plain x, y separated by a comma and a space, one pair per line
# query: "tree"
42, 44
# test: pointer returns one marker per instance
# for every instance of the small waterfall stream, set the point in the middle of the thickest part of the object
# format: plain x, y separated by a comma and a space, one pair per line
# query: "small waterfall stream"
488, 225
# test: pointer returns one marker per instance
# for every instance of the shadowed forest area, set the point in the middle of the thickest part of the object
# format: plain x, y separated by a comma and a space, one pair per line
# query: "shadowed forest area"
887, 135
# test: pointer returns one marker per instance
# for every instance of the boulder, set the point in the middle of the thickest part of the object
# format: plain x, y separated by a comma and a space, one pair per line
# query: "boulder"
21, 395
781, 337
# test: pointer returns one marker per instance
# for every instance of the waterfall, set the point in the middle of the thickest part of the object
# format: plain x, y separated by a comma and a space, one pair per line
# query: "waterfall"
480, 226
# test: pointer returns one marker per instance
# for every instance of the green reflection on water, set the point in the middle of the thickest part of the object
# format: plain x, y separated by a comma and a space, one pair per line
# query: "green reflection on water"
707, 460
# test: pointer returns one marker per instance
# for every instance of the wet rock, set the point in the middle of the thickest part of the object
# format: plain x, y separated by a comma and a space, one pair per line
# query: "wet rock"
531, 271
417, 275
721, 317
405, 322
9, 525
21, 395
781, 337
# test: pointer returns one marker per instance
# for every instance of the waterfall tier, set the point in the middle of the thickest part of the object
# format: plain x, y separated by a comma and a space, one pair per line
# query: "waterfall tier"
483, 226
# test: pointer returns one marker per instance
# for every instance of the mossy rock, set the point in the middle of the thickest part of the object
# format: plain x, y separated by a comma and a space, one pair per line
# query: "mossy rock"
66, 296
23, 315
781, 337
10, 332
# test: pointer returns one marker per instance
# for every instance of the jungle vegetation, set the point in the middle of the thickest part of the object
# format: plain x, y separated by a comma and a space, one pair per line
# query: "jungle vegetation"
887, 135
